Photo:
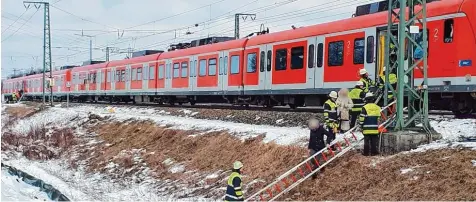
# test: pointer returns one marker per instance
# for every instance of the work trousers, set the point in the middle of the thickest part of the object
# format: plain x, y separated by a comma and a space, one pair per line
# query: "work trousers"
371, 143
353, 118
330, 138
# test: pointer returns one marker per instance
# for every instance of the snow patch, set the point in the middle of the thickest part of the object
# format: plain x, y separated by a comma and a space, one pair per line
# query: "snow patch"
406, 170
455, 129
179, 168
14, 189
474, 162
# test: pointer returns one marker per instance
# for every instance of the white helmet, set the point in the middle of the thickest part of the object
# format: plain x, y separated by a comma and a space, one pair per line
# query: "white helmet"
362, 71
369, 94
333, 94
359, 83
237, 165
384, 68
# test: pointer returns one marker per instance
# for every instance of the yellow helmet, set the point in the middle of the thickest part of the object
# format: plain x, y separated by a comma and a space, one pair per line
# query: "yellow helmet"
237, 165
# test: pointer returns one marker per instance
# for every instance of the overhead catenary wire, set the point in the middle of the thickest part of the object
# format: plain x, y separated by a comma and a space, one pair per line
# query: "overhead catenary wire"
20, 26
14, 21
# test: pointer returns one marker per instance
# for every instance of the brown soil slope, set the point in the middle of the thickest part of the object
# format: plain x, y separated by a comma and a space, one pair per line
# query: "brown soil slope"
436, 175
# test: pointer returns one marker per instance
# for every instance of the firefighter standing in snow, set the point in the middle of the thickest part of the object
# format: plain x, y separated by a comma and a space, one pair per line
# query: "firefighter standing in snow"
316, 141
233, 190
369, 120
330, 113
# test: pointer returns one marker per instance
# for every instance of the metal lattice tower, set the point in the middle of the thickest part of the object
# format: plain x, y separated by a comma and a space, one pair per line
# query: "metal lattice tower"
46, 45
404, 23
237, 22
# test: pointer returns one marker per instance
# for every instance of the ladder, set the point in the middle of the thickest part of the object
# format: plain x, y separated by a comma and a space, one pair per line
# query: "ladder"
299, 173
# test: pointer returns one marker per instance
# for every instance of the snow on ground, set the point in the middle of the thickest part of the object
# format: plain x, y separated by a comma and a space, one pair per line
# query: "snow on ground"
14, 189
79, 186
454, 129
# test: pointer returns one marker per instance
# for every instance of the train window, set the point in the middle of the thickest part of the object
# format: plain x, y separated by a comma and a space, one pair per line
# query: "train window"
145, 76
251, 63
449, 30
281, 59
161, 71
134, 74
310, 56
297, 57
202, 71
123, 74
139, 73
261, 61
225, 69
320, 54
212, 67
108, 76
235, 64
118, 76
184, 69
220, 69
268, 60
193, 70
176, 70
151, 72
359, 48
370, 49
336, 53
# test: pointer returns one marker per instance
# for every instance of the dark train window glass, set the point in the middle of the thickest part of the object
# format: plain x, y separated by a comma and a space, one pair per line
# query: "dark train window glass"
297, 57
161, 71
212, 67
310, 56
202, 71
235, 64
449, 30
225, 68
336, 53
359, 48
268, 61
251, 63
281, 59
184, 69
139, 74
261, 61
370, 49
220, 70
176, 70
152, 72
320, 54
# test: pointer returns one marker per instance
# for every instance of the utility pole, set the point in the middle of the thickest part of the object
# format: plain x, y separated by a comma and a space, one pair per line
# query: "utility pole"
406, 44
46, 45
237, 22
107, 54
90, 45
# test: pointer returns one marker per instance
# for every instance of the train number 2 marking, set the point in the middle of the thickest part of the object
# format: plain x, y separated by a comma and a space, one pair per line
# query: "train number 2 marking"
435, 35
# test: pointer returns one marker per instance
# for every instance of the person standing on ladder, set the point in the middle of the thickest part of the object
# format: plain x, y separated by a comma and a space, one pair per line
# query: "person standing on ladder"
369, 120
330, 114
316, 141
357, 95
392, 79
233, 190
364, 77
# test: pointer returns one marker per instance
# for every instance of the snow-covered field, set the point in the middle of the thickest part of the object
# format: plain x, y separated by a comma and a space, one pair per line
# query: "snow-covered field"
14, 189
78, 185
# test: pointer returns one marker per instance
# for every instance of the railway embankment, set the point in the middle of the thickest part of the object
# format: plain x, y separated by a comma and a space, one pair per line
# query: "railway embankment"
121, 153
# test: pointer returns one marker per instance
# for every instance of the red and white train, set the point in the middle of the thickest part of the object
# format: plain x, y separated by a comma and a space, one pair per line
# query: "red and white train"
296, 67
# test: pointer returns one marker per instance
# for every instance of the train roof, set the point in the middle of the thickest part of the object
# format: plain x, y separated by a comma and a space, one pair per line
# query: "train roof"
135, 60
433, 9
89, 67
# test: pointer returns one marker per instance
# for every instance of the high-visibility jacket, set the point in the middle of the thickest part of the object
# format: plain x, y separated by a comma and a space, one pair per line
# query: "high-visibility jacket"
330, 113
392, 78
357, 95
367, 83
369, 119
14, 96
233, 189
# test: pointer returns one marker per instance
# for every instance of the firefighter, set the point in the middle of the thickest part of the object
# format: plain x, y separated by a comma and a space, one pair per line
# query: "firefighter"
392, 78
330, 114
357, 95
233, 190
369, 120
14, 97
364, 77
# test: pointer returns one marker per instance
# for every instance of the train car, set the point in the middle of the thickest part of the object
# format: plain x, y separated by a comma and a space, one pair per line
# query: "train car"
86, 82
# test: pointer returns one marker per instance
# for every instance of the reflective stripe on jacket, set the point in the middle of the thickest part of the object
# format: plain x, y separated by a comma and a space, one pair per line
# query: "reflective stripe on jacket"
393, 81
330, 113
367, 83
357, 95
369, 119
233, 189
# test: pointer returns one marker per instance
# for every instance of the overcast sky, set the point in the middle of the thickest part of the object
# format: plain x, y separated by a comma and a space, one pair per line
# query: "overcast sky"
144, 24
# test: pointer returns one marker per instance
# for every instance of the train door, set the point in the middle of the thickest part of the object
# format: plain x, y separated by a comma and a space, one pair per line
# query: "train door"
319, 52
266, 55
114, 78
223, 71
128, 78
192, 82
145, 76
98, 80
369, 52
76, 83
168, 75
